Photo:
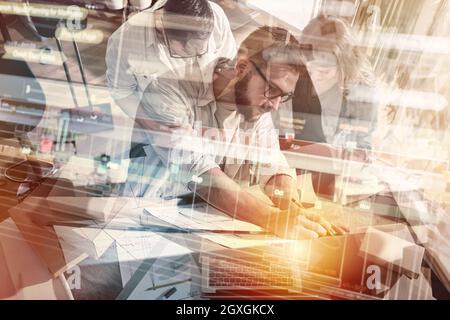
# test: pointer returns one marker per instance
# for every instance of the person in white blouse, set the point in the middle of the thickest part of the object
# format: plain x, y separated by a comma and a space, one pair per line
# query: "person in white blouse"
217, 141
336, 98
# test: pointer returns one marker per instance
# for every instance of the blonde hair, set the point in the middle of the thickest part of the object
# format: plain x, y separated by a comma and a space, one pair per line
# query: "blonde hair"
272, 44
354, 66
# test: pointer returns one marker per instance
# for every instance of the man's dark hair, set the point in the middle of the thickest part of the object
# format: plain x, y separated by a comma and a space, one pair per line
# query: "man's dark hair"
191, 19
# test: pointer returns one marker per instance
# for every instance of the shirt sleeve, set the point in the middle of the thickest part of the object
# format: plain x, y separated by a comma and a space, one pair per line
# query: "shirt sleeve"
271, 160
226, 44
182, 147
121, 82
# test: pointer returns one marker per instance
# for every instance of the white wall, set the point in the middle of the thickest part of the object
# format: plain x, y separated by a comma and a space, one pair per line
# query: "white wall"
296, 13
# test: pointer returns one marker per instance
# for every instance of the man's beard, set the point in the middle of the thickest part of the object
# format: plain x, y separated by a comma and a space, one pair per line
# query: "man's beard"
242, 101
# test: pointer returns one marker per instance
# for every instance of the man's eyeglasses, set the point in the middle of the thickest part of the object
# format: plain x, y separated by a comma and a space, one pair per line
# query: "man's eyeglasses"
188, 49
273, 91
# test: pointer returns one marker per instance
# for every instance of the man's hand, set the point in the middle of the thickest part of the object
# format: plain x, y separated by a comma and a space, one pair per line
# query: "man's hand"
298, 223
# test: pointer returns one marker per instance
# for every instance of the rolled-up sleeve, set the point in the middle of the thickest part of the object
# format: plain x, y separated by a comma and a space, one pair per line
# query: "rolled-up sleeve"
182, 148
271, 160
224, 39
121, 82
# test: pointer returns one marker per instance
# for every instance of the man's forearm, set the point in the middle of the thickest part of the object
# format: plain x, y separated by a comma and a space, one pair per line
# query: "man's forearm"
281, 189
223, 193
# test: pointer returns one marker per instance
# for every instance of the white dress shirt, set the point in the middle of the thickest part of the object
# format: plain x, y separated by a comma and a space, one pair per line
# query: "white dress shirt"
208, 136
136, 57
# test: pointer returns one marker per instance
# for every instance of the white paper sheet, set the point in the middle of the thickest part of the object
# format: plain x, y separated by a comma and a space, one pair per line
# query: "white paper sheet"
92, 241
201, 217
142, 244
237, 241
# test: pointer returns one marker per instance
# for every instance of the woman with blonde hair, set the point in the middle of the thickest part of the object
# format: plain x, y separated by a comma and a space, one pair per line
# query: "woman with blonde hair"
333, 99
